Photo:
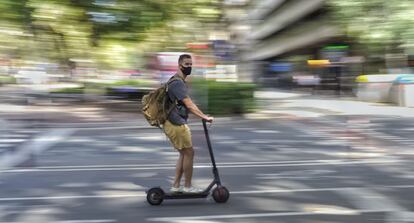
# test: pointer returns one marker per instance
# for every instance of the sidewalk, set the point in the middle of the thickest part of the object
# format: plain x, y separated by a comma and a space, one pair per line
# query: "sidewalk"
274, 102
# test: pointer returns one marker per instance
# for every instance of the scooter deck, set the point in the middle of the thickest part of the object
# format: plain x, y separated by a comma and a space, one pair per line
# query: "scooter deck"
185, 195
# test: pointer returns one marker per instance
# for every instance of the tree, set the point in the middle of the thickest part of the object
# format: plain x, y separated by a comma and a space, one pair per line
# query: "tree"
381, 25
107, 31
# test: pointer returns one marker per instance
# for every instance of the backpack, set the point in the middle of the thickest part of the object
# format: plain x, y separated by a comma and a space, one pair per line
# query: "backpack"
156, 105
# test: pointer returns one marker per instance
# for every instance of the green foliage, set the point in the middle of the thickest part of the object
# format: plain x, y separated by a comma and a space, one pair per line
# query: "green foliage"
110, 32
224, 98
379, 24
71, 90
7, 80
131, 83
14, 12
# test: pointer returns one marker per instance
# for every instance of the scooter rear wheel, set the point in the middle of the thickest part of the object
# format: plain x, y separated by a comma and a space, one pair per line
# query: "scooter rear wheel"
155, 196
221, 194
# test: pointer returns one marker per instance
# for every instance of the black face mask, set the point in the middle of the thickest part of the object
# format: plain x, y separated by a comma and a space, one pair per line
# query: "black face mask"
186, 70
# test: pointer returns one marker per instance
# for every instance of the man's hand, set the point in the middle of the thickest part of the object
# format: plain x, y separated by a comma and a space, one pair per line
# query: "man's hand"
209, 119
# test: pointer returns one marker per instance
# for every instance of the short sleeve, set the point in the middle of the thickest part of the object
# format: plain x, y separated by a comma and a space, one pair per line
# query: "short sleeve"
178, 90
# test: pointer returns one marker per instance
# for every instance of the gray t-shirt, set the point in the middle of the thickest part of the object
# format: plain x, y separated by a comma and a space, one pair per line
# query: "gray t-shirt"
177, 91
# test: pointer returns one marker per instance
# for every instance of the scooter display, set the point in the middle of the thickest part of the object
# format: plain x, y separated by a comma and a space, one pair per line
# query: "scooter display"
220, 194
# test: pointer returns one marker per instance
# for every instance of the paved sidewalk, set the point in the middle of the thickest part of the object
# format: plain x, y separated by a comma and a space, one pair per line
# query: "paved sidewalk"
272, 103
311, 106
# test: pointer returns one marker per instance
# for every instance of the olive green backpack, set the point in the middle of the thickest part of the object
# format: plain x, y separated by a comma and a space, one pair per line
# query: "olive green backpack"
156, 105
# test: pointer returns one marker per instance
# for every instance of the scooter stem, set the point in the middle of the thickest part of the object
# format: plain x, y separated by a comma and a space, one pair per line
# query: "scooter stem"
210, 150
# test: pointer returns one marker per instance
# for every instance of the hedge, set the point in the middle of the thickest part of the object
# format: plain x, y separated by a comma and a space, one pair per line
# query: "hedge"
7, 80
224, 98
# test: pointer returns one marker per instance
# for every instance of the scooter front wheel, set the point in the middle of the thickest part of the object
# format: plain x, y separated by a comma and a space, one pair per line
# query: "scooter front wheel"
155, 196
221, 194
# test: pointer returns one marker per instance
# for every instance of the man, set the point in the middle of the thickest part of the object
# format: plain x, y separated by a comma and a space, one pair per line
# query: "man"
176, 127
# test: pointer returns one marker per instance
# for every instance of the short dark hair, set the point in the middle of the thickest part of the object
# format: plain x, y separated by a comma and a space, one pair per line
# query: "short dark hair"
183, 56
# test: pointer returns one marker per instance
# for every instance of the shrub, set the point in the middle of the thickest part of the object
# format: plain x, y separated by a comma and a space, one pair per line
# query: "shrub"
7, 80
223, 98
68, 90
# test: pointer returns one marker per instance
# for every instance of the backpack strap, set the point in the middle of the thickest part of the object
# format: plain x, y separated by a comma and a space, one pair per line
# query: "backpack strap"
172, 79
175, 103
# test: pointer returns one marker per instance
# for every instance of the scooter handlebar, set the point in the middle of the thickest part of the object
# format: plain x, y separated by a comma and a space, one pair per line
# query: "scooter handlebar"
205, 121
204, 124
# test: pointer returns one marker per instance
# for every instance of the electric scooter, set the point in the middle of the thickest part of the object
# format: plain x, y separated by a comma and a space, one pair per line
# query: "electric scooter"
156, 195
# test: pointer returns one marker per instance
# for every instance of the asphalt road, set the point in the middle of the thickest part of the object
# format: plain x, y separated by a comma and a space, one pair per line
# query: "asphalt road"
277, 170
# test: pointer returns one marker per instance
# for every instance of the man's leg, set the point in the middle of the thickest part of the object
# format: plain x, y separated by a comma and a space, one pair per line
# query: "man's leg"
179, 170
188, 165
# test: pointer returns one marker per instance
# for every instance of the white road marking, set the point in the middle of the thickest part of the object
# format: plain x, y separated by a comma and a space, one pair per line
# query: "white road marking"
6, 136
364, 198
408, 129
34, 147
221, 163
260, 215
172, 166
311, 189
27, 131
297, 174
265, 131
143, 194
75, 221
11, 140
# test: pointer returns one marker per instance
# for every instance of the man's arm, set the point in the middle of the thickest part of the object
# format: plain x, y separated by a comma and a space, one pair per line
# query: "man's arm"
189, 104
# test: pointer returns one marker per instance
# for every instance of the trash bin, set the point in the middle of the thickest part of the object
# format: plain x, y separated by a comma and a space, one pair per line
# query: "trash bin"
402, 91
375, 88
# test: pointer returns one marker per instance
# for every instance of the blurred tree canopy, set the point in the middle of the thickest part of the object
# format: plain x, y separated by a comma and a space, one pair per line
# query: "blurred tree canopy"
383, 25
110, 32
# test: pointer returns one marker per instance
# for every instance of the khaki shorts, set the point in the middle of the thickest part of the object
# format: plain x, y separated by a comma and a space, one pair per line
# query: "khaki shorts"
179, 135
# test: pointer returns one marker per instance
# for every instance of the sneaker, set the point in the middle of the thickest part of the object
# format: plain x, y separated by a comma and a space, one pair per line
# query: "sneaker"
176, 189
192, 190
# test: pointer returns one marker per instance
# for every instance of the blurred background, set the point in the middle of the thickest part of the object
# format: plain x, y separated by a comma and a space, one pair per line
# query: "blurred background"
313, 100
119, 47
